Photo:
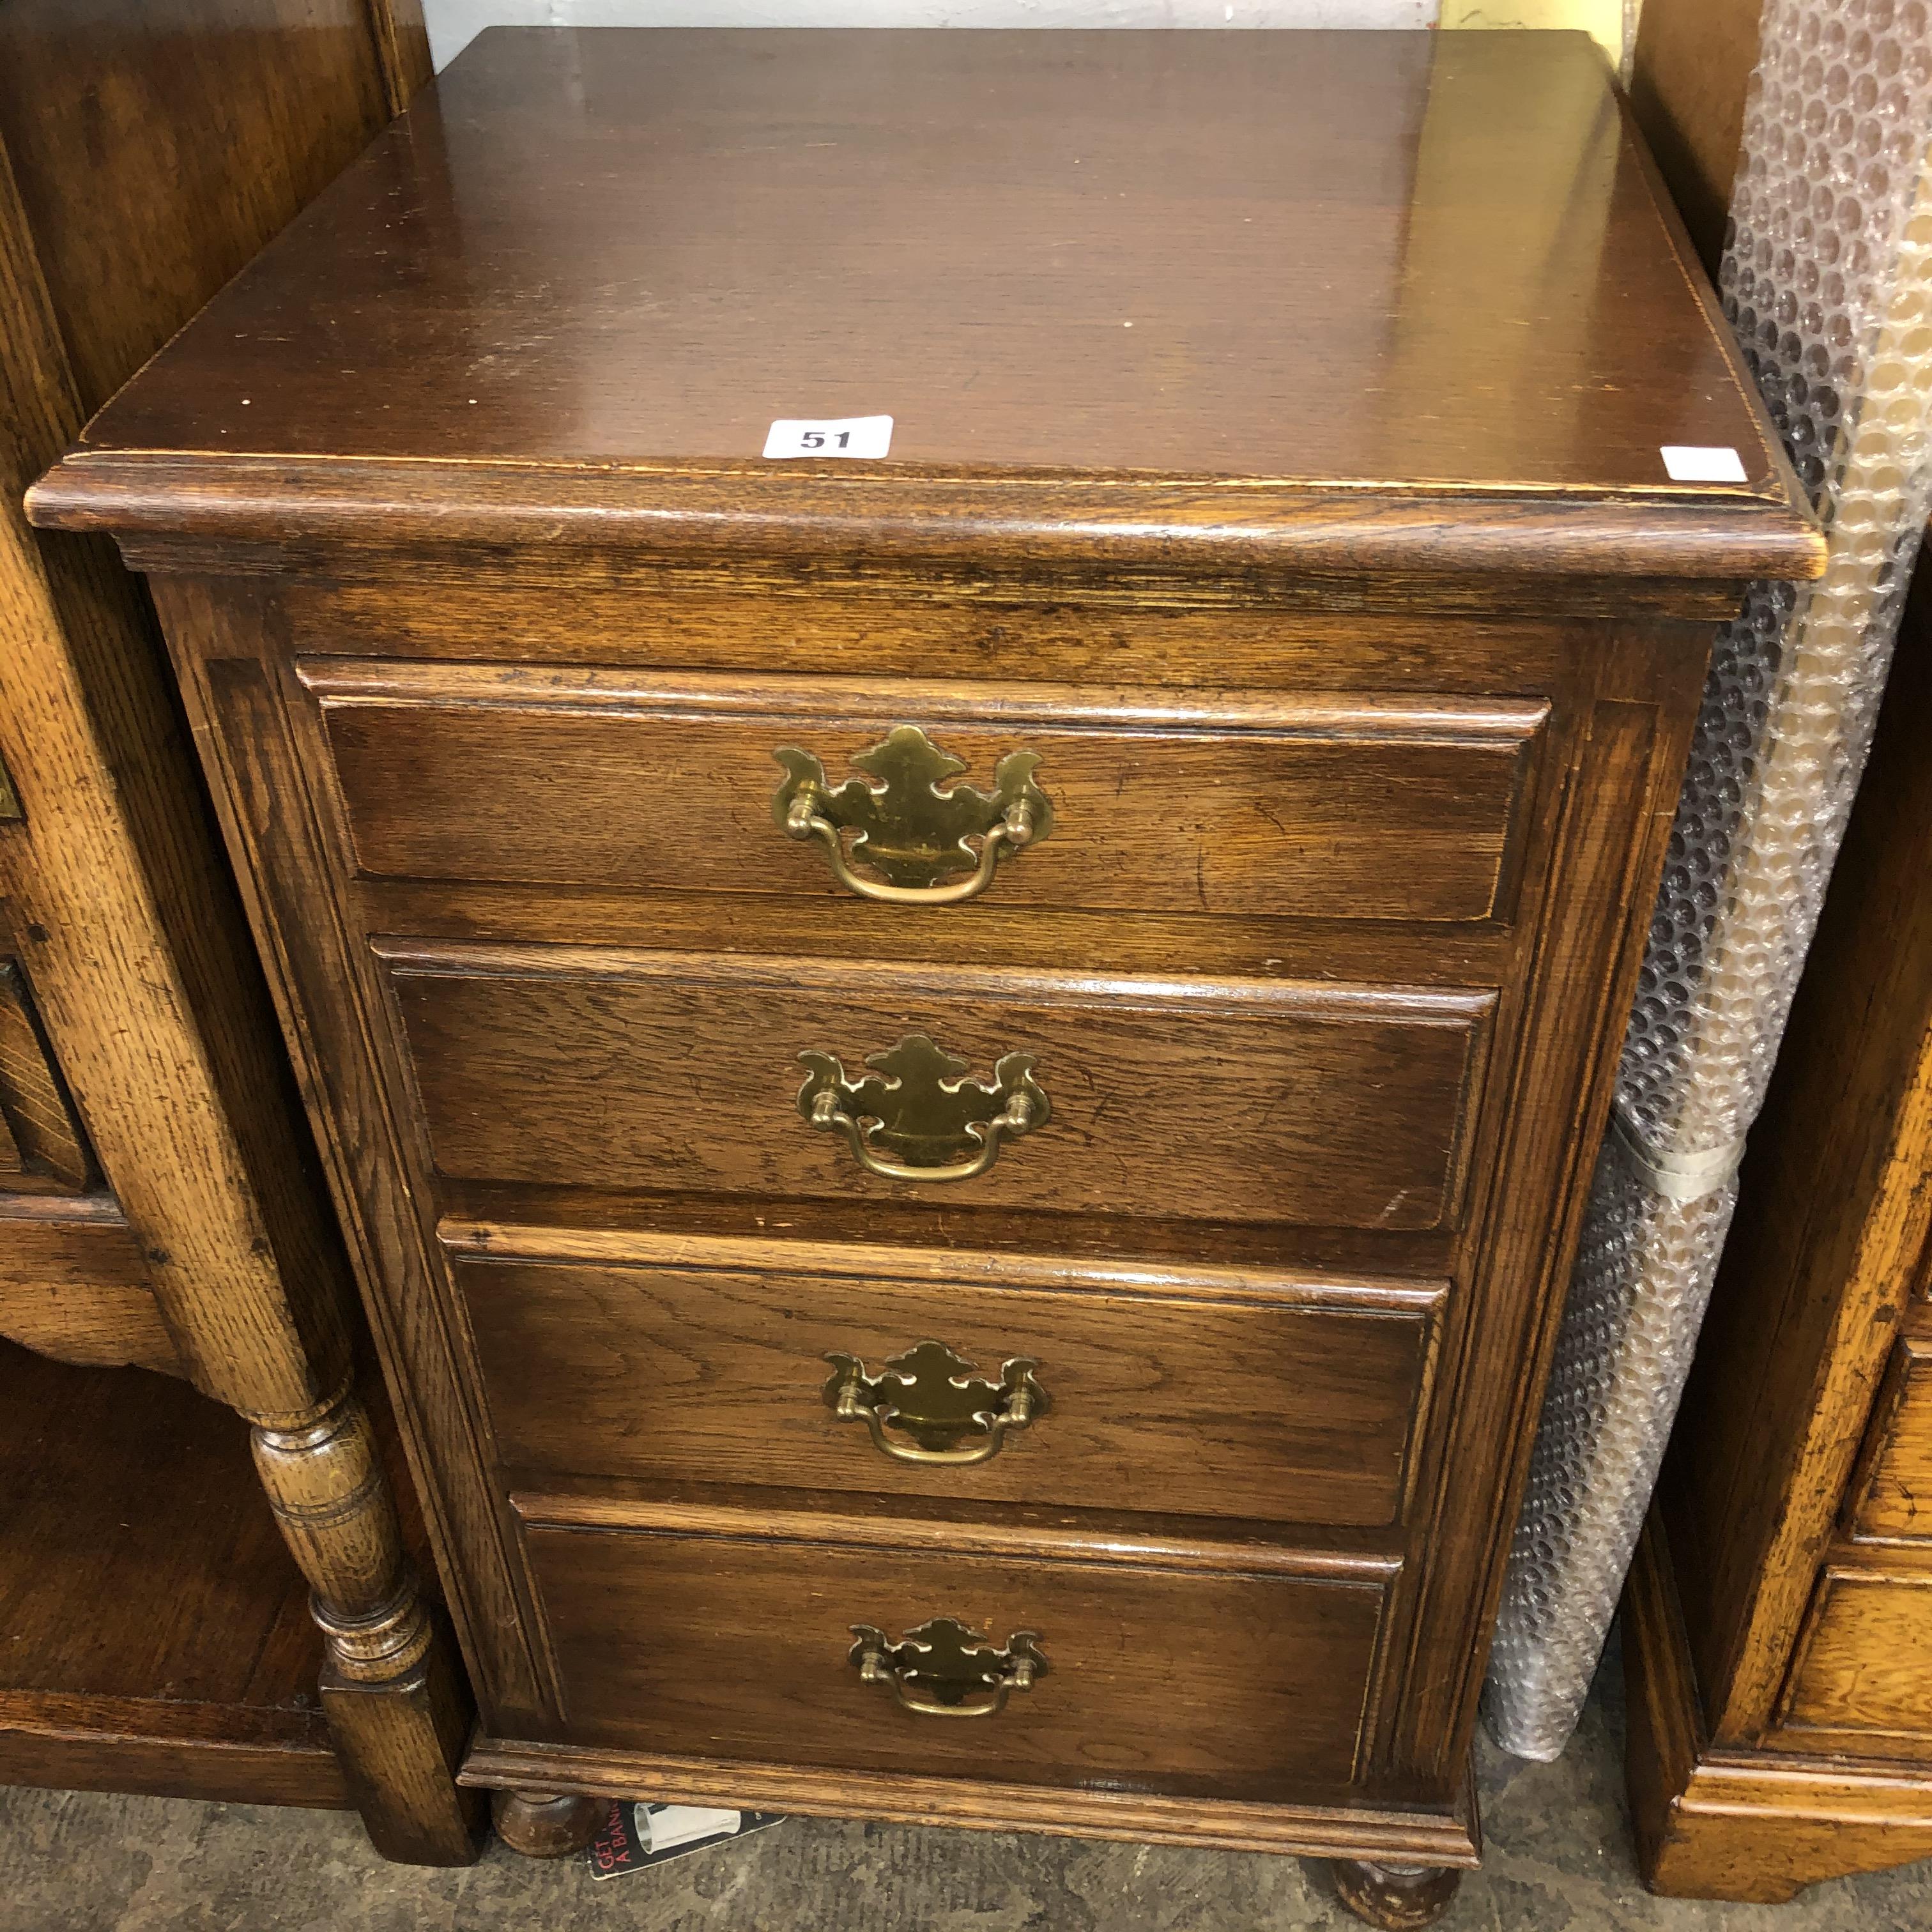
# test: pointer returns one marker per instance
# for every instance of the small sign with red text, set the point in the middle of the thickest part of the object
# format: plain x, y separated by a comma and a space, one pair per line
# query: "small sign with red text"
633, 1837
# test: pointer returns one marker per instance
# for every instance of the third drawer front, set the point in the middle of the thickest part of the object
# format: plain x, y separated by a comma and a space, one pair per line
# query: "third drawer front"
1259, 1101
1212, 1394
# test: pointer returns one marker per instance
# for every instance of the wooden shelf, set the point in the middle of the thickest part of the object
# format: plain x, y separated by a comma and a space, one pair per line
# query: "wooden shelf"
155, 1634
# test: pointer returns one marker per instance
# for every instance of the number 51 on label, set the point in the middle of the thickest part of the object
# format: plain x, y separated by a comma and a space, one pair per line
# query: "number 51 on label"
842, 436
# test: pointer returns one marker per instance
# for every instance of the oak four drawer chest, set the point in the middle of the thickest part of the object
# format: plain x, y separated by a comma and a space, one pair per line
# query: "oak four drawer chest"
961, 1076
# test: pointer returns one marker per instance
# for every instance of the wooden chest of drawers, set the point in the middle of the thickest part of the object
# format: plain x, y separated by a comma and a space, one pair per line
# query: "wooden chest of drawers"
962, 1081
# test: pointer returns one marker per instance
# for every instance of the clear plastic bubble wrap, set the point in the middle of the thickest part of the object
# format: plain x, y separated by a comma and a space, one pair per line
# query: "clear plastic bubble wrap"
1825, 281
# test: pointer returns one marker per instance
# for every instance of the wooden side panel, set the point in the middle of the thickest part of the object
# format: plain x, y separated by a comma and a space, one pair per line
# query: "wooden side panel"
1184, 1682
1177, 1100
1369, 810
1281, 1406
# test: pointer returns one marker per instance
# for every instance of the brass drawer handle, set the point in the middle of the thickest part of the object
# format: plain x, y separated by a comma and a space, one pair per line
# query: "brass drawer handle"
908, 830
935, 1669
911, 1119
932, 1396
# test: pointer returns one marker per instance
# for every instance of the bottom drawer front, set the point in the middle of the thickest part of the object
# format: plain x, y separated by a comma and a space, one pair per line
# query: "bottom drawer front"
1192, 1684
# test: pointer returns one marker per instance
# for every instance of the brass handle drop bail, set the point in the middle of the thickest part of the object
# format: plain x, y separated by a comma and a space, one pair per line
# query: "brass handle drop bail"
918, 1102
905, 828
943, 1670
933, 1396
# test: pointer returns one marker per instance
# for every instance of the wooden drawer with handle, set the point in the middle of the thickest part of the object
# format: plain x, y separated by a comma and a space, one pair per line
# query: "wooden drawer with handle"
1262, 1101
812, 1641
1052, 796
1064, 1383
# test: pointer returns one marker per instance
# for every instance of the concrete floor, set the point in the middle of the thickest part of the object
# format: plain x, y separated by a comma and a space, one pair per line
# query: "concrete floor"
1558, 1861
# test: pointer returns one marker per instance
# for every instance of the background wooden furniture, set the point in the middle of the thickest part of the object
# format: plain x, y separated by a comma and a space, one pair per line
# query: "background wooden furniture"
158, 1200
1778, 1621
1777, 1625
500, 638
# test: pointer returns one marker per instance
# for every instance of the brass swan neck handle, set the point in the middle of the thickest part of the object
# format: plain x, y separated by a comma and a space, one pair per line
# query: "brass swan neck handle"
913, 834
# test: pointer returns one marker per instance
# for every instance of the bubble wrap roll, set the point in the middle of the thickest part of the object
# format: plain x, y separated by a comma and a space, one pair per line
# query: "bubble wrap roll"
1825, 282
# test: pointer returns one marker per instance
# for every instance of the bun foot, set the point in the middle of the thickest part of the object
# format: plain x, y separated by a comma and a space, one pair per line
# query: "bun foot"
1398, 1898
543, 1825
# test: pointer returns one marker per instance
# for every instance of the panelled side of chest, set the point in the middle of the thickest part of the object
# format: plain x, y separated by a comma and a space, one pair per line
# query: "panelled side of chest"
1559, 742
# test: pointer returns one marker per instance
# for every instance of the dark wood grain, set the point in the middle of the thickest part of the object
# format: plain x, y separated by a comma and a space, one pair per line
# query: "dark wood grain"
1369, 809
1361, 547
738, 1648
1342, 1106
960, 233
1282, 1404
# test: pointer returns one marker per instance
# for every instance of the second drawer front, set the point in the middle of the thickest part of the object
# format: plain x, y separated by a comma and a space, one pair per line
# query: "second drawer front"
1192, 1683
1247, 1101
1263, 1407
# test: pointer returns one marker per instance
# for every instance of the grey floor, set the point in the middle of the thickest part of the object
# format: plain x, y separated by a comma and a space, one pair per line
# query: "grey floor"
1558, 1861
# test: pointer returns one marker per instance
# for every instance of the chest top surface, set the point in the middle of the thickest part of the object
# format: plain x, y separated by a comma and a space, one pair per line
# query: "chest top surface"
1321, 256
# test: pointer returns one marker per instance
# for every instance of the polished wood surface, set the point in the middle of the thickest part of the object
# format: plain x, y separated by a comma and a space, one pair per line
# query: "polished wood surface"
445, 660
1779, 1636
1231, 1686
1340, 1107
831, 233
1398, 810
1273, 1401
147, 148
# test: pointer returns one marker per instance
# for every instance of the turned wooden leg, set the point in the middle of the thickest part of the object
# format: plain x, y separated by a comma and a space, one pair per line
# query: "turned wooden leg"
395, 1698
547, 1824
1398, 1898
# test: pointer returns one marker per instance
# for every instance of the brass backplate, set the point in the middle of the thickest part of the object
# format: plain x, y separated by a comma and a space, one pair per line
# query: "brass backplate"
918, 1100
907, 829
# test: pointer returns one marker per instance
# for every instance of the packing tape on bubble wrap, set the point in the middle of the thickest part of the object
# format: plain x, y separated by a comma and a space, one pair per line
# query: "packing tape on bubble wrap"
1682, 1177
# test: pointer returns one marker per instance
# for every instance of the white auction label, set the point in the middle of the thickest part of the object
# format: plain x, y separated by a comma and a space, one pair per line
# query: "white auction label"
1691, 463
845, 436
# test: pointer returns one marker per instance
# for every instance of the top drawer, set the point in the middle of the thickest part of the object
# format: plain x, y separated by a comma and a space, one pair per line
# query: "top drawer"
1382, 809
